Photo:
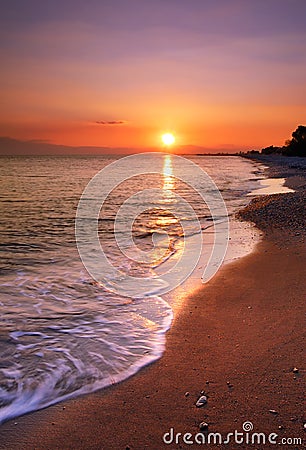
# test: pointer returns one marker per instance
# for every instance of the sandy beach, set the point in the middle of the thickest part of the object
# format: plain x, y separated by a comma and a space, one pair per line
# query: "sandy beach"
238, 341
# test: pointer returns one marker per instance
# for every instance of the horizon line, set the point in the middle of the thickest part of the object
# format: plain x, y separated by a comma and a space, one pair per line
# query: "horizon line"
17, 147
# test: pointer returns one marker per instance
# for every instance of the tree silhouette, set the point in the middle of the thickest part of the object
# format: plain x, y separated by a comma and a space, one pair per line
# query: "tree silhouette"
293, 147
297, 145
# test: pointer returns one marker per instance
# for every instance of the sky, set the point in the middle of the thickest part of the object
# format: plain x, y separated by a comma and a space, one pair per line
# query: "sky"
219, 74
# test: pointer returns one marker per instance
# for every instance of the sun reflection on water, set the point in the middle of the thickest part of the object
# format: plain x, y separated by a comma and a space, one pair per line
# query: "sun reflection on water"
168, 179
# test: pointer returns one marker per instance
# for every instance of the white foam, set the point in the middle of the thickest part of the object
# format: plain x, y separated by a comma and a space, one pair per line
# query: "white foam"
47, 393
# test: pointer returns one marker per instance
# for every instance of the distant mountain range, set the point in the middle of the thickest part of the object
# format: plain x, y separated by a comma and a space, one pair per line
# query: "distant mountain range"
15, 147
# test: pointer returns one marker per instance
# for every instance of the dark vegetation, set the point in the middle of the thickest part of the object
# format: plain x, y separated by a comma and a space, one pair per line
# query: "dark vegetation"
293, 147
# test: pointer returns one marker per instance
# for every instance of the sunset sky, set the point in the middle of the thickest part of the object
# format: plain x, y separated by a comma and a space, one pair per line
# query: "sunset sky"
227, 74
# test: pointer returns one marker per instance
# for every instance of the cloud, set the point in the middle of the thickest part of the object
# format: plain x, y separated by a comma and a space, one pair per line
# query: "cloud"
110, 122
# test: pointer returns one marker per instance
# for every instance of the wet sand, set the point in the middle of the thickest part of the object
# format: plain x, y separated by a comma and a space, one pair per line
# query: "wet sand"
238, 339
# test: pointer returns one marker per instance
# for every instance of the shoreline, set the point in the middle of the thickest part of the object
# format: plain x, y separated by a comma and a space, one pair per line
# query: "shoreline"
229, 335
277, 214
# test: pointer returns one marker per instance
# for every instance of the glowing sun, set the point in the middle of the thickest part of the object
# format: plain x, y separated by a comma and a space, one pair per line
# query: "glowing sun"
168, 139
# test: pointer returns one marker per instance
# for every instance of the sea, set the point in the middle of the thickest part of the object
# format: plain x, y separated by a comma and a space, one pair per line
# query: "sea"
65, 332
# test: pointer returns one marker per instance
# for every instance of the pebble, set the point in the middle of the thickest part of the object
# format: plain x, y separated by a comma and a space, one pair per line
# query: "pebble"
272, 411
295, 370
201, 401
203, 426
187, 394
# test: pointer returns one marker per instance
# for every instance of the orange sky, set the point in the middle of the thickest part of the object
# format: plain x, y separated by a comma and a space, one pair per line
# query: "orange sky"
217, 74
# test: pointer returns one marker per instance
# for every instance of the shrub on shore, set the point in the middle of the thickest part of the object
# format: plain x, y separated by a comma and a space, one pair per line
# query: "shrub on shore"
293, 147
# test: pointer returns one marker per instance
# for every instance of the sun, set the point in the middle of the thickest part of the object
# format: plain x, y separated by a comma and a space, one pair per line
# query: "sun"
168, 139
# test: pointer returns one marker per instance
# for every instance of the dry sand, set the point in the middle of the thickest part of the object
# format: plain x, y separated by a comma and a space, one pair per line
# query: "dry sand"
238, 339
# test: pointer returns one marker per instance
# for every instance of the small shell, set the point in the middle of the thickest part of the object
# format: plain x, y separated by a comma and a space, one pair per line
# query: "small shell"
201, 401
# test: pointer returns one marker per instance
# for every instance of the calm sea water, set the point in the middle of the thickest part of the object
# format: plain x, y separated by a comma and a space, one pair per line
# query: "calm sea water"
61, 333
